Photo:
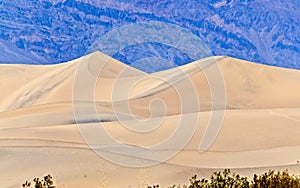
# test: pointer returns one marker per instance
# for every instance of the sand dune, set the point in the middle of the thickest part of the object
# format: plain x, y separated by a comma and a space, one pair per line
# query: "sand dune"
46, 113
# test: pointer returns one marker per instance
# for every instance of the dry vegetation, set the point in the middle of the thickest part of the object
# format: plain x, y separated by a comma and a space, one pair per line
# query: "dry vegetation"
225, 179
46, 182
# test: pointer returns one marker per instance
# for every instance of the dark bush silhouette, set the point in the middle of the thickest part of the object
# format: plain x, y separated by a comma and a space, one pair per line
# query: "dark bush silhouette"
273, 179
225, 179
46, 182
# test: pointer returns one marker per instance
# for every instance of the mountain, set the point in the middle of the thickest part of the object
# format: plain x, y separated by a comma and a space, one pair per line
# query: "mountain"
13, 55
265, 31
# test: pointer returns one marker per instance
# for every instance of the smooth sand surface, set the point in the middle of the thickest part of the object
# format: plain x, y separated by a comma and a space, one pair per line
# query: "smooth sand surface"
49, 113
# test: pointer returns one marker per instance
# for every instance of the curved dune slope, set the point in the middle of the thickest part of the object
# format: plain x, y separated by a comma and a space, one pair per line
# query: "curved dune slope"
48, 113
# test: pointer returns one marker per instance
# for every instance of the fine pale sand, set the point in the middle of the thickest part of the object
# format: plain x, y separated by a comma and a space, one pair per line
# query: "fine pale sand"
51, 115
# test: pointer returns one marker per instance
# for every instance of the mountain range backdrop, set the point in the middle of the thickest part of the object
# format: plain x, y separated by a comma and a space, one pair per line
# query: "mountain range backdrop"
56, 31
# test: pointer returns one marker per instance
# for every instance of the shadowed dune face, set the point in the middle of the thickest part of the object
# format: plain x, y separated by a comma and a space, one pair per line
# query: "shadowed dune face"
57, 113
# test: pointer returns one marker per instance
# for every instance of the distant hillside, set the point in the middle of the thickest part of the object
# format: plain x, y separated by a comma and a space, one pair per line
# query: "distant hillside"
60, 30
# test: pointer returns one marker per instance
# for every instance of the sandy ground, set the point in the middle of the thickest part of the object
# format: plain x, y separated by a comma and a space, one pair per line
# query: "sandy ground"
158, 128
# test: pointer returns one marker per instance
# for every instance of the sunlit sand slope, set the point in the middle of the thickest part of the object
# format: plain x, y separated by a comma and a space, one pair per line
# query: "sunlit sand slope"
47, 111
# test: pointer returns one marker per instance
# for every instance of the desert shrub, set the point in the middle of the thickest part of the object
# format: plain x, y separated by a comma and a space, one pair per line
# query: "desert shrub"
220, 180
153, 186
225, 179
274, 179
46, 182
